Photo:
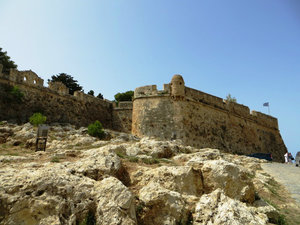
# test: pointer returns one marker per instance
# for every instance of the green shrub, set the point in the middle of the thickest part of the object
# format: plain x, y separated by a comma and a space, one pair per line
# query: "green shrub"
230, 99
126, 96
11, 94
281, 220
37, 118
17, 94
96, 130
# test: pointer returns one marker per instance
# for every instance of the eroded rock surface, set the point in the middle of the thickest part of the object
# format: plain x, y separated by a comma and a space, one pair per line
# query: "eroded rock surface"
124, 180
217, 208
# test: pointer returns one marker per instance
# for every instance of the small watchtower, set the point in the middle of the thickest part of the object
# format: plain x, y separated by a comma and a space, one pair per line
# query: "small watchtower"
177, 87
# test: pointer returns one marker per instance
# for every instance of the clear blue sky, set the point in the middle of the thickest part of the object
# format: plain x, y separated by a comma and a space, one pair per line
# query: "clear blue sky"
249, 48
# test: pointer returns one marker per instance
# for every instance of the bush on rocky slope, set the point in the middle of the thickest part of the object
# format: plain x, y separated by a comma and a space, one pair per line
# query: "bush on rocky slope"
96, 130
37, 119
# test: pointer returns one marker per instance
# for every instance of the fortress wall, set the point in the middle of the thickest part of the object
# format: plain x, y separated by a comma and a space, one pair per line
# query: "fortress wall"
199, 96
58, 107
167, 89
265, 120
145, 91
238, 109
207, 127
122, 117
154, 117
202, 120
231, 107
125, 105
200, 125
151, 90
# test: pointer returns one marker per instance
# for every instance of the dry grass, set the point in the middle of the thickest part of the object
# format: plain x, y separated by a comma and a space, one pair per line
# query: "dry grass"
277, 196
6, 149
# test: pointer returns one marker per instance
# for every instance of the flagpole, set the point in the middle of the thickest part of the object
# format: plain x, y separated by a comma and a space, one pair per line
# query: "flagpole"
267, 104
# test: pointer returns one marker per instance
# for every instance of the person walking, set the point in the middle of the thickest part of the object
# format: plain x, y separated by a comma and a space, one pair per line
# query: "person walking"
286, 157
291, 158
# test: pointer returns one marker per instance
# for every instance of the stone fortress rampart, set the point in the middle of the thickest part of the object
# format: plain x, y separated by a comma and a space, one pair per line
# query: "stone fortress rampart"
176, 112
210, 101
203, 120
57, 104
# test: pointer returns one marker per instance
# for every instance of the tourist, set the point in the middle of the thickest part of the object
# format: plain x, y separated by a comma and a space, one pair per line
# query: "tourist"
286, 157
291, 158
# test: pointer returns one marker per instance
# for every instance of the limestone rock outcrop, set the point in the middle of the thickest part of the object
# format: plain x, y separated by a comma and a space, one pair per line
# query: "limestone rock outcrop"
124, 180
216, 208
53, 195
230, 178
182, 179
162, 206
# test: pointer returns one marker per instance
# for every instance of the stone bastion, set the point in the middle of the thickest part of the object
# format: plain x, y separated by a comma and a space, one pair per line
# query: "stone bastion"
203, 120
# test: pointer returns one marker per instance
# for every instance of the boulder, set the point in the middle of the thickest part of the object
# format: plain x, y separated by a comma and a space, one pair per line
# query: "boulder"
261, 206
218, 209
115, 203
161, 206
182, 179
231, 178
31, 195
99, 163
52, 195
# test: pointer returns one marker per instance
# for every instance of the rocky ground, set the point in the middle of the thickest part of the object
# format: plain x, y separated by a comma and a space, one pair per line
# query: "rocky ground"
126, 180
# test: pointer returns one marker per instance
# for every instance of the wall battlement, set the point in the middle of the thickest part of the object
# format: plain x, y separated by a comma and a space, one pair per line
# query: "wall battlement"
203, 120
151, 90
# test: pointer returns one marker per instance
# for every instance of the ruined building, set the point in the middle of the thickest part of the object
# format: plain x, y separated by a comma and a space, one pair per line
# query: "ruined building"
57, 104
176, 112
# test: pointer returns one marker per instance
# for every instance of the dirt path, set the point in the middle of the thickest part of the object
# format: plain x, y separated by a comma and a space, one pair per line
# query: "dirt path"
286, 174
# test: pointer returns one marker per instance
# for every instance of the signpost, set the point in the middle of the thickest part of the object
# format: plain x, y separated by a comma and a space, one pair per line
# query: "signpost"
41, 138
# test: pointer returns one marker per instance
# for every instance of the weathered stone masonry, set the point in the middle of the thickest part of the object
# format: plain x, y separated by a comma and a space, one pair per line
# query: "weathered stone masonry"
57, 104
203, 120
176, 112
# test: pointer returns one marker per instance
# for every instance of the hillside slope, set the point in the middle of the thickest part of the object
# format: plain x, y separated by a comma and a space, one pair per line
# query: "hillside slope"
126, 180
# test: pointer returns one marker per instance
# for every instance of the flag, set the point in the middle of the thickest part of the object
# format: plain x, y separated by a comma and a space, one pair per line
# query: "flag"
266, 104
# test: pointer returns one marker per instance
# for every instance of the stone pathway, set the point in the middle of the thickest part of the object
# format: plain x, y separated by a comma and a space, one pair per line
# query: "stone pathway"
286, 174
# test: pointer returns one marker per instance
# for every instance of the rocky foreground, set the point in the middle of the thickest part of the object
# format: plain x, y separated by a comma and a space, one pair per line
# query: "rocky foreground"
125, 180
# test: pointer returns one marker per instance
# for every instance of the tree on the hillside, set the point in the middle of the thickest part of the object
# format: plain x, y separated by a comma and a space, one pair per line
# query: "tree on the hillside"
91, 92
100, 96
126, 96
6, 62
230, 99
67, 80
